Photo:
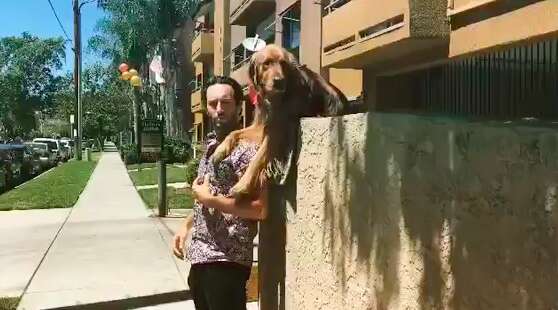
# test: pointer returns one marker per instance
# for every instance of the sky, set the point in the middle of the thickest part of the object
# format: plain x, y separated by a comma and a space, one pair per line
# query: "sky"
36, 17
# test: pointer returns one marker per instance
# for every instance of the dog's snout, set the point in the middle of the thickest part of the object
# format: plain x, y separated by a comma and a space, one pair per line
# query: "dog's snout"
279, 83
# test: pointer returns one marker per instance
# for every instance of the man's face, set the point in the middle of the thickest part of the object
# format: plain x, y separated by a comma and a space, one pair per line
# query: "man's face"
221, 107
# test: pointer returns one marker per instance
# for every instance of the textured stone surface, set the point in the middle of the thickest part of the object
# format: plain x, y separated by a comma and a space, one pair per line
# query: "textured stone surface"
404, 212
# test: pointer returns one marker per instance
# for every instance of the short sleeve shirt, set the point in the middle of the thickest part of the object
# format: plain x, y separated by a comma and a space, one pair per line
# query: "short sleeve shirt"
217, 236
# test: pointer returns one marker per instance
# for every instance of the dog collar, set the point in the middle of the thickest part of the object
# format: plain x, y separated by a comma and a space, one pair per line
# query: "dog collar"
253, 95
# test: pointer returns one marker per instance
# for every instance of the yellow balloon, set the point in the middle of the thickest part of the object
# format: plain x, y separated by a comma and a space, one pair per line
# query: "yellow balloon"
135, 81
126, 75
133, 72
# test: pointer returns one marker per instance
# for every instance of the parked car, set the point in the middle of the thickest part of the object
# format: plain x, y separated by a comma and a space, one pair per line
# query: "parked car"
5, 174
47, 158
70, 144
54, 146
30, 162
67, 149
11, 162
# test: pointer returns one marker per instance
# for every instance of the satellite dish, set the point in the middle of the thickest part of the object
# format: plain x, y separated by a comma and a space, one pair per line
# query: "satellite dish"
254, 44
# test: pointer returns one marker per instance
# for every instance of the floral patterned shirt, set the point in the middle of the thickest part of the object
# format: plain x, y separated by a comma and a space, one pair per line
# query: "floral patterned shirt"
216, 236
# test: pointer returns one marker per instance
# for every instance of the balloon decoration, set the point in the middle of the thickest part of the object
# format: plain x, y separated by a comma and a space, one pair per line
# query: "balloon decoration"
135, 81
131, 75
126, 75
123, 67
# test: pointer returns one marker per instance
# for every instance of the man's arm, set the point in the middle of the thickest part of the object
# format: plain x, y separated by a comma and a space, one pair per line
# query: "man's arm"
254, 209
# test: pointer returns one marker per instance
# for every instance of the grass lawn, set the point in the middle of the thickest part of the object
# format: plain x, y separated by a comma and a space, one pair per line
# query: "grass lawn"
176, 198
151, 176
143, 166
58, 188
8, 303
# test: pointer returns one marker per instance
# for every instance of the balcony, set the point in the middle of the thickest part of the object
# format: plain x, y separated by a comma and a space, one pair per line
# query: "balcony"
202, 46
362, 33
238, 60
480, 25
250, 12
196, 99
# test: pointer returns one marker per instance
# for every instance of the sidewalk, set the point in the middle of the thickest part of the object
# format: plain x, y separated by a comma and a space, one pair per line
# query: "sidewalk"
110, 254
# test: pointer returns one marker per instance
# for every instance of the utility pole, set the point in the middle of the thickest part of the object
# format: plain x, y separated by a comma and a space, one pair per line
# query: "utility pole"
77, 76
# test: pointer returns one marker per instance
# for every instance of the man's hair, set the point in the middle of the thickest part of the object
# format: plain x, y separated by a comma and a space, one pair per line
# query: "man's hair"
218, 79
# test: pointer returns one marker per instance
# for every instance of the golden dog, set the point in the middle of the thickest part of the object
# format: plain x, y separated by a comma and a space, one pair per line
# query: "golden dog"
286, 91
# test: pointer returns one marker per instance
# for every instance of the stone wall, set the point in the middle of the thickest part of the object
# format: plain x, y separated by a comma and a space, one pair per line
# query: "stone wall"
397, 211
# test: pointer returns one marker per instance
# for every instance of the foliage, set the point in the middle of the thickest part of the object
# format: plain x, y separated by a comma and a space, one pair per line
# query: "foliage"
133, 29
178, 151
192, 170
27, 80
106, 104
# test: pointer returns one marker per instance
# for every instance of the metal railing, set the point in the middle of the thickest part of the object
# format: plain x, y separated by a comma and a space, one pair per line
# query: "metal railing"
238, 57
516, 82
333, 5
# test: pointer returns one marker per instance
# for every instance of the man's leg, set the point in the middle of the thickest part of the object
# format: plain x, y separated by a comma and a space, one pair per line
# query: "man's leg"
195, 282
225, 286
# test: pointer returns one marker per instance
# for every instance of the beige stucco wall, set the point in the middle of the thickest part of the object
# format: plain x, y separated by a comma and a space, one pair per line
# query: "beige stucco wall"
404, 212
528, 22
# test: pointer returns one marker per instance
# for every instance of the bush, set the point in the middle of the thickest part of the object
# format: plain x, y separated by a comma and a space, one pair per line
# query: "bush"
178, 151
192, 170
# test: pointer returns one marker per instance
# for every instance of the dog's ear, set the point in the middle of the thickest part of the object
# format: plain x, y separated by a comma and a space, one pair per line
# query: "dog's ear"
253, 70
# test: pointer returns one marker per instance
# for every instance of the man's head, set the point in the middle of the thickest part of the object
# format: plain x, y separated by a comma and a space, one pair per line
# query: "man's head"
224, 96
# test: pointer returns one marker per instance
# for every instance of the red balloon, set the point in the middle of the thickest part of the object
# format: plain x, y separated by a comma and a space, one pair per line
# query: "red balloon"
123, 67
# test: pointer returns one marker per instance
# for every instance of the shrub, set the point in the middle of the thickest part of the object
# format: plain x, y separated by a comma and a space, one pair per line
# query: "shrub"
178, 151
192, 170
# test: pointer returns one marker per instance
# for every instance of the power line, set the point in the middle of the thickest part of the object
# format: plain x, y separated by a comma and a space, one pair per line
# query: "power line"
59, 22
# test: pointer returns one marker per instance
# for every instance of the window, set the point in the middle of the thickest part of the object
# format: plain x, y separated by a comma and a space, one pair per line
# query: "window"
291, 29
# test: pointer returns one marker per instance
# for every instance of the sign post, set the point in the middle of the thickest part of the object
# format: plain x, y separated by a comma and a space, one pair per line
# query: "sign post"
152, 141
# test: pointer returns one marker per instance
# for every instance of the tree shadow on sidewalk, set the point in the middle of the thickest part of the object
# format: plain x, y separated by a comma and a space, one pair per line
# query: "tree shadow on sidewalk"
134, 302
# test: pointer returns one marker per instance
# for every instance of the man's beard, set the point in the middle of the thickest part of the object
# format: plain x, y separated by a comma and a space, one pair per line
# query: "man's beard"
223, 128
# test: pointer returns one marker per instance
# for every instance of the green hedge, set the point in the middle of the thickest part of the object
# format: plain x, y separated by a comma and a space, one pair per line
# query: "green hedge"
178, 151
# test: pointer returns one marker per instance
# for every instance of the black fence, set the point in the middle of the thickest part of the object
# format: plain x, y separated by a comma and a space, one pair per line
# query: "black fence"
517, 82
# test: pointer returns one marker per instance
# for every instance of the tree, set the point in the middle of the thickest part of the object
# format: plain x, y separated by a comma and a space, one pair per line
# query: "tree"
107, 104
133, 31
27, 80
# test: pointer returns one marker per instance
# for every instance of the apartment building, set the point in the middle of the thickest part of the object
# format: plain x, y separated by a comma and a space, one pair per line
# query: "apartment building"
202, 57
486, 58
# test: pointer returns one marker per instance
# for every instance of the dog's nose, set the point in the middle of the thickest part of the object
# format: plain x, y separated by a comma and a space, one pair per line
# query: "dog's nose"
279, 83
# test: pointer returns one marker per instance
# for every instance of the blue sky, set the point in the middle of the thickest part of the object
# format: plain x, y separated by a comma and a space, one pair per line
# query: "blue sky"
36, 17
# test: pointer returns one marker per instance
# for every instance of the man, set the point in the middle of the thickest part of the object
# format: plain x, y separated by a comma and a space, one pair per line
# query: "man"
223, 229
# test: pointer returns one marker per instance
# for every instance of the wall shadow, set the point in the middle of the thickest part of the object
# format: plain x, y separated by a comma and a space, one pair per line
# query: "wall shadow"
463, 210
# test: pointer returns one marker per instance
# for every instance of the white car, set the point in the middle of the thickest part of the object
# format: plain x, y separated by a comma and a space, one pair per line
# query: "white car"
54, 146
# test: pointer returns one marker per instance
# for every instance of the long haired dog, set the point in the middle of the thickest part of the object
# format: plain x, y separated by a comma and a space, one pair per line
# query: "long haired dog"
286, 91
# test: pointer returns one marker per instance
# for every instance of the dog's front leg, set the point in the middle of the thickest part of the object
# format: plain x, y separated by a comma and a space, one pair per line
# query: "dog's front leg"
253, 175
226, 146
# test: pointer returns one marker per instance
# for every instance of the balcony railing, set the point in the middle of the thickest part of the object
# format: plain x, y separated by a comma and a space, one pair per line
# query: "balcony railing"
334, 5
239, 56
202, 45
250, 12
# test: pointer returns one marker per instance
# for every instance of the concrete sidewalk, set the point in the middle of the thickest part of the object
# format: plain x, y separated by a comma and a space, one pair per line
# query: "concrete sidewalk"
109, 254
26, 236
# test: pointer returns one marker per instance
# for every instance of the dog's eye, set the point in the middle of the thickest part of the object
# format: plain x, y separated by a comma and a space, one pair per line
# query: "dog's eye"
267, 63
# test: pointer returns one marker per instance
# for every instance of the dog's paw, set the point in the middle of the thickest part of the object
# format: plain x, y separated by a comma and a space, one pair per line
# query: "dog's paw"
219, 154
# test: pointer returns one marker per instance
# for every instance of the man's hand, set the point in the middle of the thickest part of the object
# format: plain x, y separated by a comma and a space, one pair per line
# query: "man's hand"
200, 190
178, 243
179, 239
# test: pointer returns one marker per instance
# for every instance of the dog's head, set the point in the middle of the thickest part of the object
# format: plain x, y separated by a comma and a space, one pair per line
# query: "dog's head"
271, 70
